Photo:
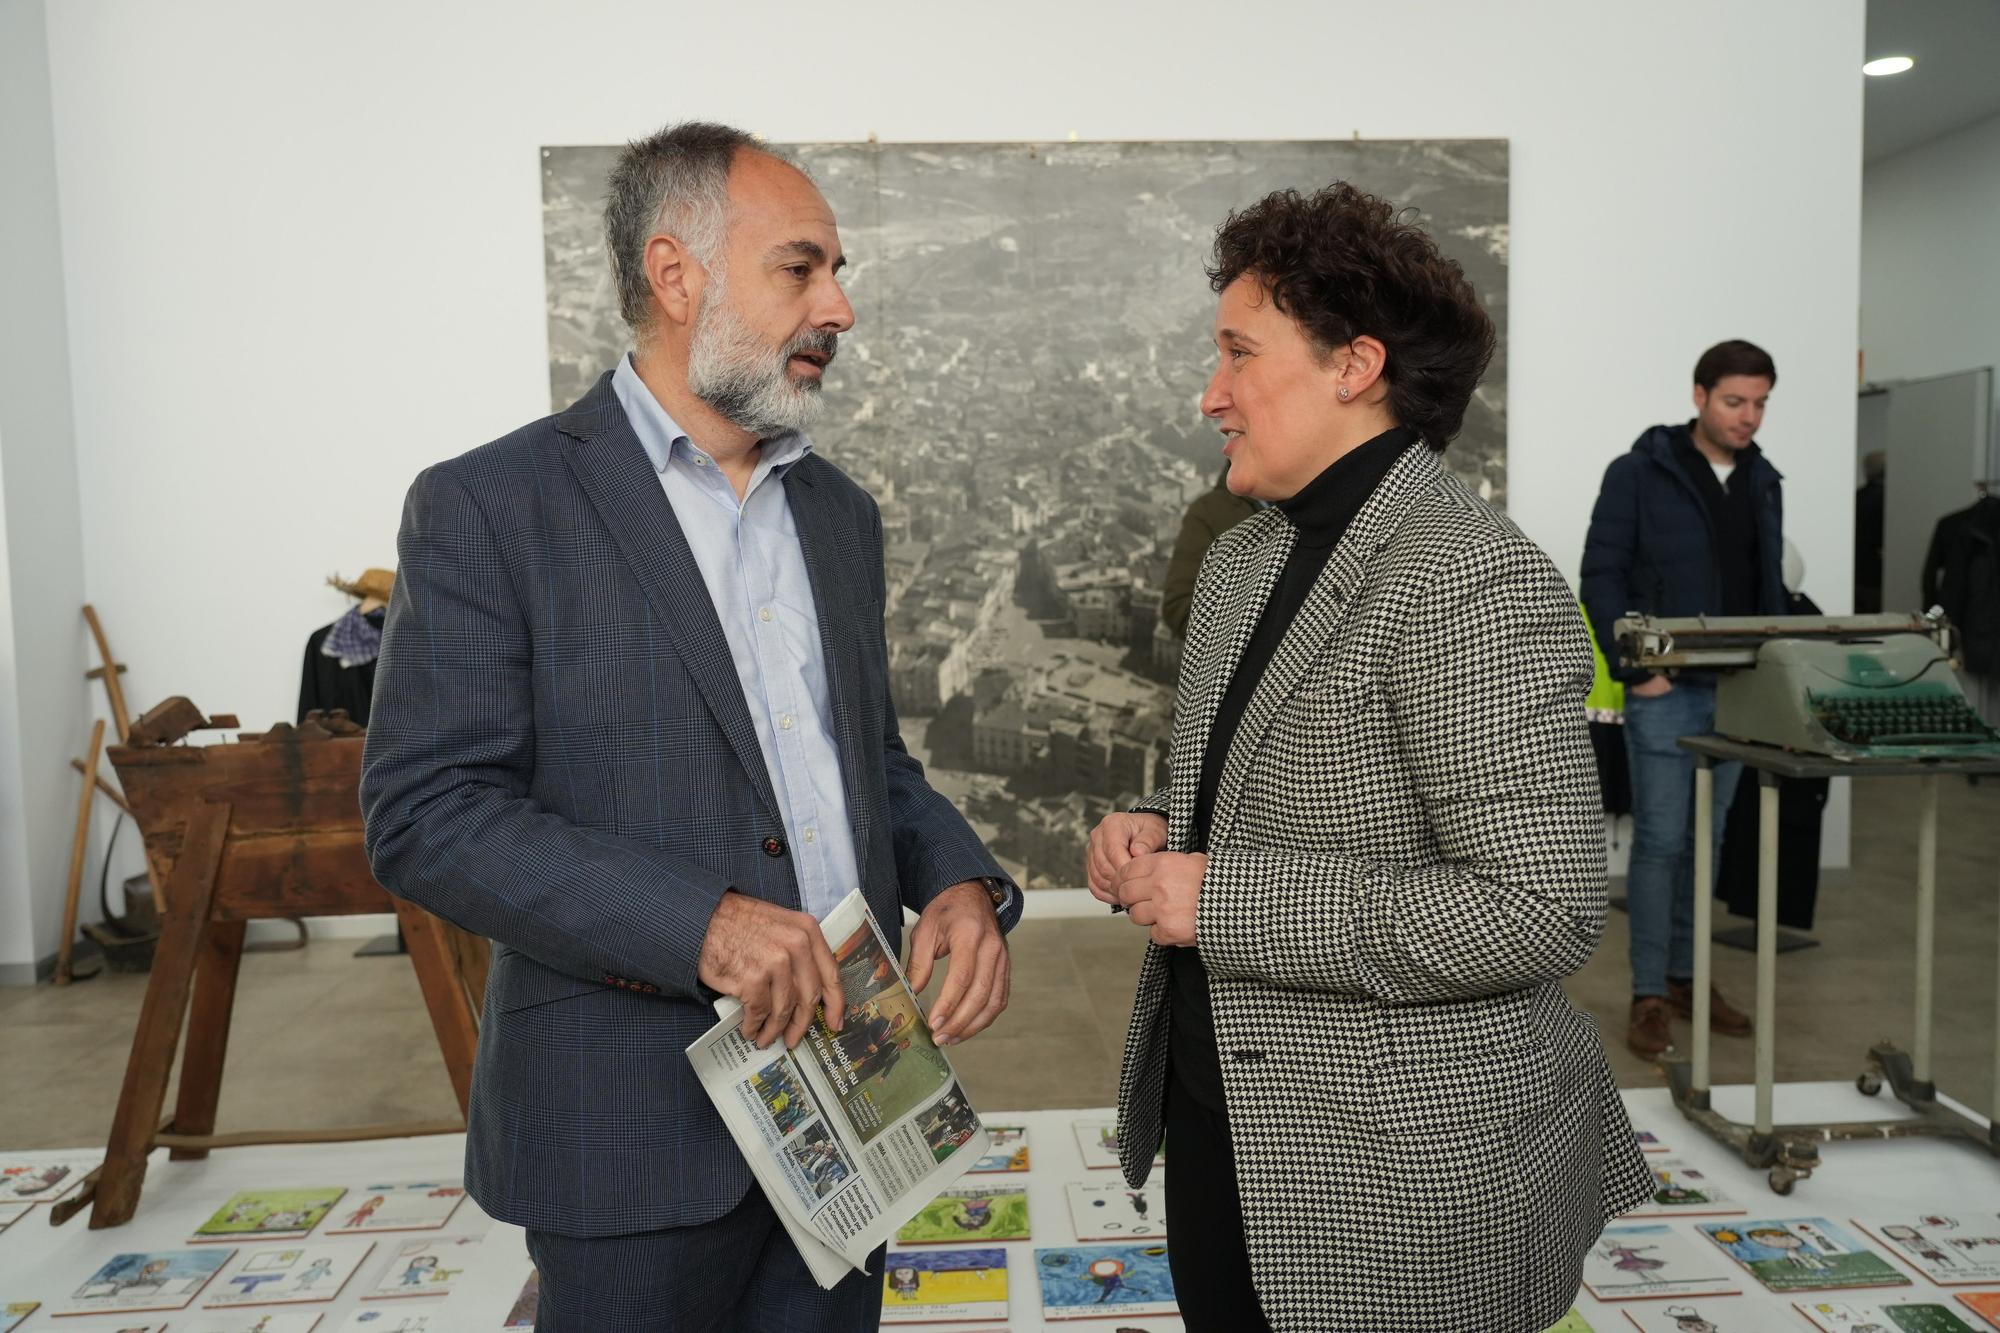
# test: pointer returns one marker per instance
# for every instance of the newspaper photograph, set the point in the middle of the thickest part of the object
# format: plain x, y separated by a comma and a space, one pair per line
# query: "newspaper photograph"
852, 1132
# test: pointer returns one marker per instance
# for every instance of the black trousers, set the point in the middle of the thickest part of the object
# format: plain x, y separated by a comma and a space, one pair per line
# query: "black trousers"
1205, 1246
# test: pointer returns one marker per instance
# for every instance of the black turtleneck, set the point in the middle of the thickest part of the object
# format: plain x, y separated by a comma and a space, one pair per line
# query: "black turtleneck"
1320, 514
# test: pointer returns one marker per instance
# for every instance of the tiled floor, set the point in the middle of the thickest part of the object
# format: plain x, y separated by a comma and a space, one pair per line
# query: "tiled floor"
322, 1038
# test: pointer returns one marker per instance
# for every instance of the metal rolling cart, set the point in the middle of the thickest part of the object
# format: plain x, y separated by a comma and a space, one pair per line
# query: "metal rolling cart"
1858, 696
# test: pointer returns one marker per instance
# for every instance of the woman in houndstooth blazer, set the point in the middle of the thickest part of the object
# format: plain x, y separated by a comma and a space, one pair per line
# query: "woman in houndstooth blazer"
1379, 848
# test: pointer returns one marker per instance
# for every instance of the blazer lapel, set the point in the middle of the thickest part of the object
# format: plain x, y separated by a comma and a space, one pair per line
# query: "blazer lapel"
614, 471
1311, 629
823, 547
1245, 582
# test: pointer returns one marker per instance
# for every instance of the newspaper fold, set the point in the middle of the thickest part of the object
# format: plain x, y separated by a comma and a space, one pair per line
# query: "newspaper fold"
850, 1133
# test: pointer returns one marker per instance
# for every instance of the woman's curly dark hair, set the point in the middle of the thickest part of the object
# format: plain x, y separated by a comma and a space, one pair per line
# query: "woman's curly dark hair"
1342, 263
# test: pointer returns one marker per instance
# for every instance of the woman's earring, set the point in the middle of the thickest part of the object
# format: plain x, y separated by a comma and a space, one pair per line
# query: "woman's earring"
1343, 394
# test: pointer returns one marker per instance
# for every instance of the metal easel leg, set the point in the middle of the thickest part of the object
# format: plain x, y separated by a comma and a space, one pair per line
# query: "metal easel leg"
1704, 913
1923, 1088
1767, 950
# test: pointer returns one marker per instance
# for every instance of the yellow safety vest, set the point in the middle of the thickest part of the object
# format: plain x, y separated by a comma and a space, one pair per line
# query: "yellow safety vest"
1606, 701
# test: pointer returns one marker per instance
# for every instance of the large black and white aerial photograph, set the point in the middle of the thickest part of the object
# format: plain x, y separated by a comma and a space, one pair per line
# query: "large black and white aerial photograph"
1020, 393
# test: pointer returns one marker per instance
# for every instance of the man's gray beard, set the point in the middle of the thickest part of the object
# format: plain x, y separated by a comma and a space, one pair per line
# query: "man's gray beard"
735, 372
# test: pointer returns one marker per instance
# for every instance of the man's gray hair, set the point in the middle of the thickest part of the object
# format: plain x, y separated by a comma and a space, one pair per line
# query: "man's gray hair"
676, 182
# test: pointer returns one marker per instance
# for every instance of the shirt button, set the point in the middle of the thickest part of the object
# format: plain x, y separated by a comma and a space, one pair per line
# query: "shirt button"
763, 613
785, 722
812, 835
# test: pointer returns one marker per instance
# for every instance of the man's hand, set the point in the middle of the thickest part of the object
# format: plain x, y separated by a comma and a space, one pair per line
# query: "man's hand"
1116, 840
1160, 890
776, 962
1651, 688
960, 924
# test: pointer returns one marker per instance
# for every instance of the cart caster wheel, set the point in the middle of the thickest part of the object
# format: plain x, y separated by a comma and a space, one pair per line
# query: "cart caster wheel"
1782, 1179
1868, 1084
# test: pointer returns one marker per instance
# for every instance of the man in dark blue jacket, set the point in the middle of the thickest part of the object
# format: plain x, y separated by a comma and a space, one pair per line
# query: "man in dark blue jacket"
1690, 522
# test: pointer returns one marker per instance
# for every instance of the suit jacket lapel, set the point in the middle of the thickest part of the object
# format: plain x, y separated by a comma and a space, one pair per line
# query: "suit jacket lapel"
614, 471
1311, 629
822, 544
1245, 584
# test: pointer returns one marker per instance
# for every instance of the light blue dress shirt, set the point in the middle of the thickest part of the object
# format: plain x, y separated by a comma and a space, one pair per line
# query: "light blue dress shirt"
750, 559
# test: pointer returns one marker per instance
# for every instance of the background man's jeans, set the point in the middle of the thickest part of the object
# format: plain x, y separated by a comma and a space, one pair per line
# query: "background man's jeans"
1660, 884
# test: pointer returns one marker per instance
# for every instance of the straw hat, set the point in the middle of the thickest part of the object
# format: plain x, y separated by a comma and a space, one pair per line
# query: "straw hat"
373, 585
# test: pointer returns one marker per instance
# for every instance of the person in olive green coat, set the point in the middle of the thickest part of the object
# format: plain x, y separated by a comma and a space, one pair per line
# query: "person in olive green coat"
1214, 512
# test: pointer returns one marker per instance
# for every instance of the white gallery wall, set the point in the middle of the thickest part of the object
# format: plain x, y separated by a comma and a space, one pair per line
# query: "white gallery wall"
44, 704
1930, 257
302, 248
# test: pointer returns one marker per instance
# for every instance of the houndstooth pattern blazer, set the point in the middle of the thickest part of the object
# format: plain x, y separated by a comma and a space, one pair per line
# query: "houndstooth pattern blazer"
1406, 853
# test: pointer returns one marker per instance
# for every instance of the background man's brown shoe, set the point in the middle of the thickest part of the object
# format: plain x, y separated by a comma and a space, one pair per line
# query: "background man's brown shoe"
1651, 1031
1723, 1016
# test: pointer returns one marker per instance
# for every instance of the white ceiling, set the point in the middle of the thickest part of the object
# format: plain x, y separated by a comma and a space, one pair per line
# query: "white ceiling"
1956, 44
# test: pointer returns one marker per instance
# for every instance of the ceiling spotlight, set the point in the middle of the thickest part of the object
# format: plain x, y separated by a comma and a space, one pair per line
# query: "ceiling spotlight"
1888, 65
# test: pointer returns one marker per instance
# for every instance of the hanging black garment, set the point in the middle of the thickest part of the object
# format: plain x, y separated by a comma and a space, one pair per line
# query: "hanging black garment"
1614, 770
1801, 808
325, 684
1869, 503
1962, 575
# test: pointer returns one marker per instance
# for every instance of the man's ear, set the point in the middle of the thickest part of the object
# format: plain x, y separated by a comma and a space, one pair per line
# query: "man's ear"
676, 277
1700, 400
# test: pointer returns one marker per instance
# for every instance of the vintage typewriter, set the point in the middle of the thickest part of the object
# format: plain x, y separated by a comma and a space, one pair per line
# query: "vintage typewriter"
1859, 688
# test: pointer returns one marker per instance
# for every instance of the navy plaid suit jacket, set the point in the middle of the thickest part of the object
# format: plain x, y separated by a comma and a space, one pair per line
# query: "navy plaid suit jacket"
560, 758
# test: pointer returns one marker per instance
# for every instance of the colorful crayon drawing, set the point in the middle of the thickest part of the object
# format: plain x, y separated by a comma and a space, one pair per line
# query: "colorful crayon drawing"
1680, 1190
427, 1267
289, 1274
1950, 1251
1703, 1317
1884, 1317
1093, 1281
1802, 1255
959, 1216
1116, 1211
928, 1286
1650, 1262
375, 1319
1006, 1150
1985, 1304
43, 1177
1097, 1140
154, 1280
403, 1206
270, 1214
270, 1321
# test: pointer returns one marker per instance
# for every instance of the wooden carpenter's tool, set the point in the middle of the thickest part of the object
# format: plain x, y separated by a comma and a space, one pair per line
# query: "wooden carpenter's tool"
76, 850
269, 827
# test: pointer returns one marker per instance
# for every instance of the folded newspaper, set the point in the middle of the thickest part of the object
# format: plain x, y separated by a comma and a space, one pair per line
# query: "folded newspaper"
852, 1132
